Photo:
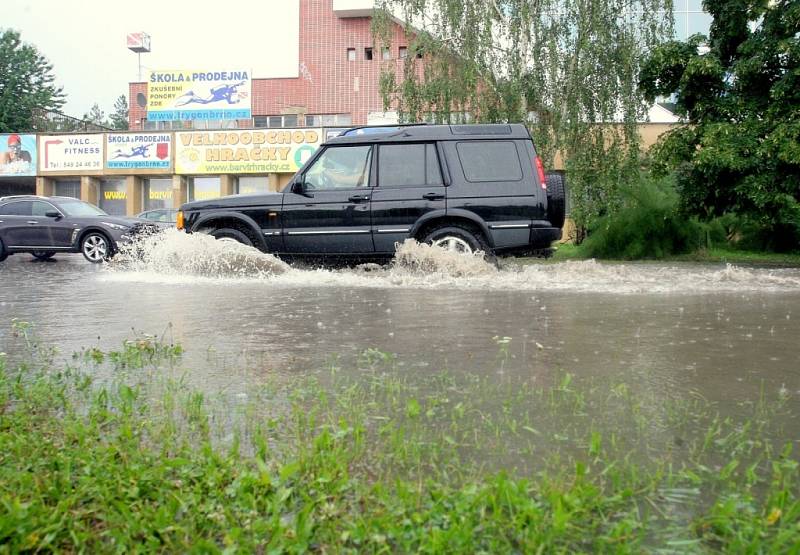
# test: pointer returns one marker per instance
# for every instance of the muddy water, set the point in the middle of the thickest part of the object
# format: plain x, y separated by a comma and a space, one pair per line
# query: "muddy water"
721, 331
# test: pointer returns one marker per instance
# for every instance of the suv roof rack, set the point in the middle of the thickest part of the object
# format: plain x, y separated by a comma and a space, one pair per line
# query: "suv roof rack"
369, 129
13, 197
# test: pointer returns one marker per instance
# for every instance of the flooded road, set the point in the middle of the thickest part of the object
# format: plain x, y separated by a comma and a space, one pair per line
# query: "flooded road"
722, 332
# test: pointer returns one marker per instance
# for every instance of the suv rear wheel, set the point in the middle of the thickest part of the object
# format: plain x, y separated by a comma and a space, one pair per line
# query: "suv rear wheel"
457, 238
3, 251
229, 234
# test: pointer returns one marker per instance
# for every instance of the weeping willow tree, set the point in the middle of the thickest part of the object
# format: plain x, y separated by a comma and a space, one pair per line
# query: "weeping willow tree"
569, 70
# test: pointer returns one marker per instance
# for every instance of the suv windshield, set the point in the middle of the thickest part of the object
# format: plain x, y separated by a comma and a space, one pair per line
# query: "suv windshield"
79, 208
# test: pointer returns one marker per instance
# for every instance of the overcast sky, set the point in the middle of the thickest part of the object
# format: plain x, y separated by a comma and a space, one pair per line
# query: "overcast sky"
85, 40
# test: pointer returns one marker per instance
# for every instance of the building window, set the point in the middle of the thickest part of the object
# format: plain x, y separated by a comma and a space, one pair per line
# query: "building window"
453, 118
368, 53
276, 122
329, 120
214, 124
157, 193
351, 54
204, 188
690, 19
113, 196
163, 125
402, 52
68, 188
252, 185
386, 53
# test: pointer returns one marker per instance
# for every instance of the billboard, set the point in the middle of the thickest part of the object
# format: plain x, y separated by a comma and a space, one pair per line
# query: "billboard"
17, 154
138, 42
140, 151
69, 153
198, 95
219, 152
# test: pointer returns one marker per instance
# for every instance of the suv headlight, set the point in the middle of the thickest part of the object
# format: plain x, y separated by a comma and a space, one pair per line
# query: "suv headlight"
116, 226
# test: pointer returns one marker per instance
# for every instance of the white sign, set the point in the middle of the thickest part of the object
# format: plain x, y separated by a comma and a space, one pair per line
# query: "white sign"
138, 150
61, 153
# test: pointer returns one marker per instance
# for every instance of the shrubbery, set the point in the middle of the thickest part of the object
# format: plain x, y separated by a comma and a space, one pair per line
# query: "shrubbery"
648, 226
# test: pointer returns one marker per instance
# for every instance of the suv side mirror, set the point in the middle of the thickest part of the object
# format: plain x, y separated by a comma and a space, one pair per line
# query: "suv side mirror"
300, 188
53, 214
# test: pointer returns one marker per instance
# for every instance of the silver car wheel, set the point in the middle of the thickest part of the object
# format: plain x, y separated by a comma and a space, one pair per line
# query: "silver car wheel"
95, 248
453, 244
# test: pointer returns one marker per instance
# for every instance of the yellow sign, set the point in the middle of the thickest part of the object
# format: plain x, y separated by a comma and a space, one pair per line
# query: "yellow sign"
221, 152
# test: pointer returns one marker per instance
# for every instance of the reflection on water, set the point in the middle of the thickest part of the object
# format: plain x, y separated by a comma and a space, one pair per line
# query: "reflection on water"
719, 330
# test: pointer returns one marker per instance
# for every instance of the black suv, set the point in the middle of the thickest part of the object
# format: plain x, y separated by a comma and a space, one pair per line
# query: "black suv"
44, 226
463, 187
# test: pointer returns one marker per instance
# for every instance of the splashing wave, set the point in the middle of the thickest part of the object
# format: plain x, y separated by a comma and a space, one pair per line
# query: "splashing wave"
175, 257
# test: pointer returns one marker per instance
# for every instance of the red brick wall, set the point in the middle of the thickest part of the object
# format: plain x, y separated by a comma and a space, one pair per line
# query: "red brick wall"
327, 80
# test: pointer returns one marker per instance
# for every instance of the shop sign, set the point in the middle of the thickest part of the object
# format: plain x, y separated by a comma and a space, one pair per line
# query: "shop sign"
17, 154
70, 153
221, 152
198, 95
141, 151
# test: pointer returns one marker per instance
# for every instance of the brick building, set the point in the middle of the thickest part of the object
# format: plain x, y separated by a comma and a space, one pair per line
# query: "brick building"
338, 75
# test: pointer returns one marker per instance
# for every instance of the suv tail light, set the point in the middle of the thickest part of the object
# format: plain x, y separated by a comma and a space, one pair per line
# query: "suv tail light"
179, 219
540, 171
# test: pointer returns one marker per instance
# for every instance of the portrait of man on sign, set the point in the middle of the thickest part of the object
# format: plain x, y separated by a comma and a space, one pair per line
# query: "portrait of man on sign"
14, 159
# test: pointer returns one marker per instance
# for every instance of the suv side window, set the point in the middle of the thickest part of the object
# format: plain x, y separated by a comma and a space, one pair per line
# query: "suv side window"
408, 165
19, 208
340, 167
489, 161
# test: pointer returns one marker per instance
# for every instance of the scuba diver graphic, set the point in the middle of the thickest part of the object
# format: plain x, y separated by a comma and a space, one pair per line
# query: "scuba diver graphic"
135, 151
218, 93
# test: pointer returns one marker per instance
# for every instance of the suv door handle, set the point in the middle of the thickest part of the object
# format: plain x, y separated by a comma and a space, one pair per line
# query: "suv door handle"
32, 222
433, 196
359, 198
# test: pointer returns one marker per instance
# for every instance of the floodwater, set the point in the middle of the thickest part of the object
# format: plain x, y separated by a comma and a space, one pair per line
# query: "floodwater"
724, 332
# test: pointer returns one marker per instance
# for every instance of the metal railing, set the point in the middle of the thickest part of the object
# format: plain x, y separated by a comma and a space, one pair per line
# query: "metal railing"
48, 121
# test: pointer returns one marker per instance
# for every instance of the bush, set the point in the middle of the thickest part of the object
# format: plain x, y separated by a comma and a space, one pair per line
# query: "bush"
648, 225
744, 233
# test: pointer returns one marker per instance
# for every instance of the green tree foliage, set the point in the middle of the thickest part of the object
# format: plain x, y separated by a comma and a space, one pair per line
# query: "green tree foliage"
119, 117
96, 116
26, 83
739, 89
567, 69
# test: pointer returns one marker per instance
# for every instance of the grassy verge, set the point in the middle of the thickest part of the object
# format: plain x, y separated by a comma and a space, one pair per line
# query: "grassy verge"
721, 255
386, 462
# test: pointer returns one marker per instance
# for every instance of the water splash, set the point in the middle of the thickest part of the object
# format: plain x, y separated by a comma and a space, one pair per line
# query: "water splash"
177, 254
416, 258
175, 257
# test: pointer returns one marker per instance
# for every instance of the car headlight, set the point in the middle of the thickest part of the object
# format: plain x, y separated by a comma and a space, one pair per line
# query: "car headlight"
118, 227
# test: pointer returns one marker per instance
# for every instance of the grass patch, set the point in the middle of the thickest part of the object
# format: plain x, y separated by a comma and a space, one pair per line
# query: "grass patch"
385, 462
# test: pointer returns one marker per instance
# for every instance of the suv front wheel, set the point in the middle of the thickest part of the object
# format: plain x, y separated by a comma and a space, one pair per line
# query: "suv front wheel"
457, 238
229, 234
96, 247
